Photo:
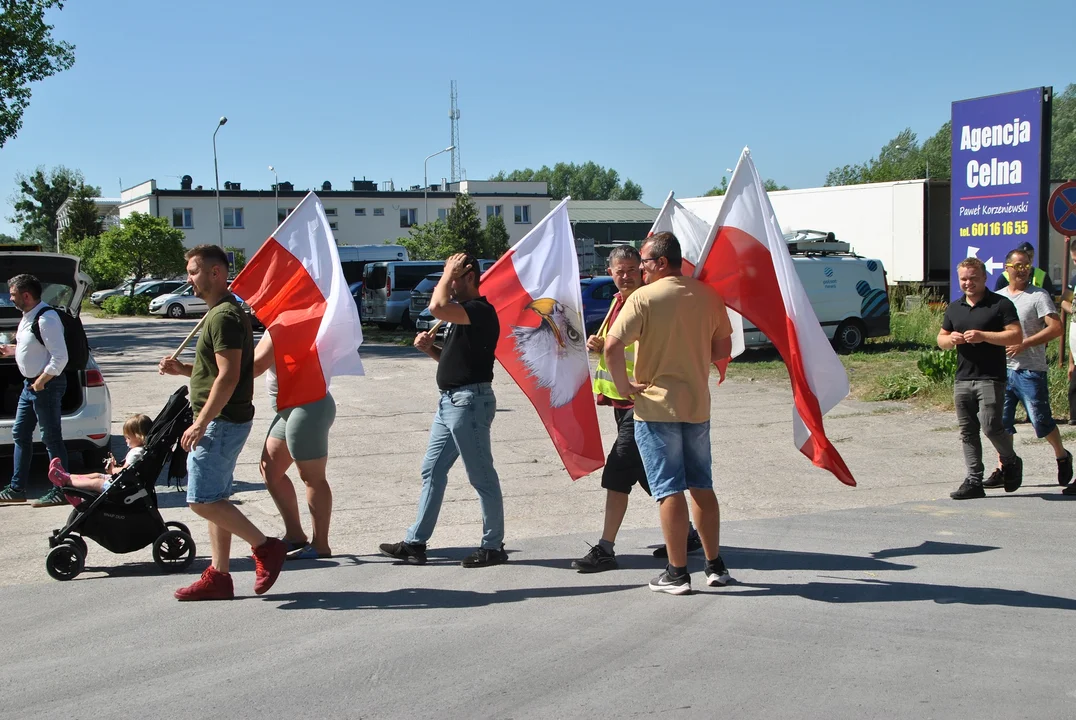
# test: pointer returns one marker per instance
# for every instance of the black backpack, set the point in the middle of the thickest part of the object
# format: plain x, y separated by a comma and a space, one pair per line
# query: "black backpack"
78, 346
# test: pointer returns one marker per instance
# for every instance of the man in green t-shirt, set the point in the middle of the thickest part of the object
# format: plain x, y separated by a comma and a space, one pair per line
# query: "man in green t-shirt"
221, 393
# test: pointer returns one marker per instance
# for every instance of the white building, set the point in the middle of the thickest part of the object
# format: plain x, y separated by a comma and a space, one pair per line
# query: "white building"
108, 212
362, 215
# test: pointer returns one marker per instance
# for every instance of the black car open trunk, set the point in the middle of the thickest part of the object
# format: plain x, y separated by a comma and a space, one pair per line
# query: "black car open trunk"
11, 386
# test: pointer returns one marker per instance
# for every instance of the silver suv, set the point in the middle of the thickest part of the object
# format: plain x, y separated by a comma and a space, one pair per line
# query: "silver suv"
86, 408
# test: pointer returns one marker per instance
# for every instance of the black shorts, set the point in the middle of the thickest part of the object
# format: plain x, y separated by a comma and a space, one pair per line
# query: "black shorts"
624, 466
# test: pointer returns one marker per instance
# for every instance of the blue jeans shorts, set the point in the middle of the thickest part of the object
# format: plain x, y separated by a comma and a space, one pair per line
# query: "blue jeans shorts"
1029, 388
676, 456
211, 462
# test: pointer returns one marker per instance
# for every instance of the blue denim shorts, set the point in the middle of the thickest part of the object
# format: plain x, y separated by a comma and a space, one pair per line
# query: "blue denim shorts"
676, 456
211, 463
1028, 387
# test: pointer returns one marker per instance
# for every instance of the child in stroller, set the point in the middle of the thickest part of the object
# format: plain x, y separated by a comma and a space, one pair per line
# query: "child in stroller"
135, 431
122, 516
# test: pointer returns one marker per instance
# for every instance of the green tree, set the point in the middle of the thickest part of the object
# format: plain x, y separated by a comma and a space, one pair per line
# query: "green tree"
588, 181
240, 257
140, 246
6, 239
27, 54
1063, 135
83, 219
39, 198
463, 222
770, 185
431, 241
495, 238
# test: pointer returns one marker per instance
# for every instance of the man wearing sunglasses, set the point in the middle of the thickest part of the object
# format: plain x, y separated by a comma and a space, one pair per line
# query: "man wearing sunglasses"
1036, 277
1026, 365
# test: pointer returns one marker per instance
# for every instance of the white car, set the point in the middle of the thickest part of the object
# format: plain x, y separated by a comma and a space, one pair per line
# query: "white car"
86, 408
181, 303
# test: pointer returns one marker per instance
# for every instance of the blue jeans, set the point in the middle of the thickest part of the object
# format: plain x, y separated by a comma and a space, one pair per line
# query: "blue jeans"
676, 456
37, 407
1028, 387
211, 463
461, 429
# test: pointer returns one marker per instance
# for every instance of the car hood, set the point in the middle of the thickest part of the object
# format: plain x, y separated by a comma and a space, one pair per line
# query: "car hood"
50, 269
162, 299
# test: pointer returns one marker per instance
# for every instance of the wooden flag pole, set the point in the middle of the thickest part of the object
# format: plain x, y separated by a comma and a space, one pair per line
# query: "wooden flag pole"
190, 336
432, 332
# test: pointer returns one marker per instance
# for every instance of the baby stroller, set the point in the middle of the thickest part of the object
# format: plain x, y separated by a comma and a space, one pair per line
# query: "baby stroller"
124, 518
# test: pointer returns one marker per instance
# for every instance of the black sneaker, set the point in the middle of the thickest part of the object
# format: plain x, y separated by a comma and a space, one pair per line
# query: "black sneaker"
717, 575
1070, 490
597, 560
968, 490
667, 583
483, 557
1064, 469
1014, 474
996, 479
694, 544
410, 553
51, 498
11, 495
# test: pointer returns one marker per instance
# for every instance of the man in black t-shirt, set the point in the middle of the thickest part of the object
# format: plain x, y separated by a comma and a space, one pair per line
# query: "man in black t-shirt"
980, 325
461, 427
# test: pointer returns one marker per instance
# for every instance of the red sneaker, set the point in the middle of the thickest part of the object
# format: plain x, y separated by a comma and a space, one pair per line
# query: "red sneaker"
213, 585
268, 560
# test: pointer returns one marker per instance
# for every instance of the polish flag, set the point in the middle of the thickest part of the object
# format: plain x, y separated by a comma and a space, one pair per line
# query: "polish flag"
694, 233
296, 287
535, 289
748, 262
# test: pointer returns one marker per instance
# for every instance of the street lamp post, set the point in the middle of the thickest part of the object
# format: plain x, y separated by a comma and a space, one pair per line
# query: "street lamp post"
426, 183
216, 175
276, 191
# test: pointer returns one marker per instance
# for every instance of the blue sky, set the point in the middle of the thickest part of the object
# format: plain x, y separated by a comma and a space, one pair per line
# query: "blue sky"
667, 94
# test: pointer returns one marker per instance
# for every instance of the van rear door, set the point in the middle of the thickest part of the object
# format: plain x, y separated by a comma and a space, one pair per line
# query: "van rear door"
374, 295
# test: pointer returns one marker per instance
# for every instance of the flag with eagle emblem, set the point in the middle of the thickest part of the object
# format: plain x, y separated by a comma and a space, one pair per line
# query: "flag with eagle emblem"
535, 289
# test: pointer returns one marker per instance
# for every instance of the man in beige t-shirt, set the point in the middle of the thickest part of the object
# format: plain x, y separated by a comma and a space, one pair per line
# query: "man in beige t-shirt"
682, 328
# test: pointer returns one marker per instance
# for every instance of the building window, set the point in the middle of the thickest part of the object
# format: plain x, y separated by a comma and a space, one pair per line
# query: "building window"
332, 226
492, 210
233, 218
331, 212
378, 212
408, 217
360, 212
282, 214
442, 214
523, 214
182, 217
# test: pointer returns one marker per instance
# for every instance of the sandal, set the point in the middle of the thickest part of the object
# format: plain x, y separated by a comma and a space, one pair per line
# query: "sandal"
292, 546
307, 552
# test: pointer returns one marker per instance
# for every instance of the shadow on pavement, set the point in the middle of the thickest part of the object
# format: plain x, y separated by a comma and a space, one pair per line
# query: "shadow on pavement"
930, 547
237, 565
879, 591
428, 598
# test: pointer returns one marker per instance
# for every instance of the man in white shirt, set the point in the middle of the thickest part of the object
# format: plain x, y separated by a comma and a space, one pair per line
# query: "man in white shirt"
41, 364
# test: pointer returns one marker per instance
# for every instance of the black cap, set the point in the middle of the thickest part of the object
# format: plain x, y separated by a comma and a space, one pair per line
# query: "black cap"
1027, 247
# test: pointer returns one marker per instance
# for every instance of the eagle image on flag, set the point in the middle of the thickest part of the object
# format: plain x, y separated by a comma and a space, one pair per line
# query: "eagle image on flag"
535, 290
747, 261
694, 234
295, 285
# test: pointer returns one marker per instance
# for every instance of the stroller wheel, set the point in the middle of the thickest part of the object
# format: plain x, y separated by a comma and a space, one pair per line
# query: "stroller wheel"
173, 551
64, 562
173, 525
78, 542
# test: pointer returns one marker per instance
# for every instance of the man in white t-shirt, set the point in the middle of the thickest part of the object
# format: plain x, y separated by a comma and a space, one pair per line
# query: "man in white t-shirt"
1026, 366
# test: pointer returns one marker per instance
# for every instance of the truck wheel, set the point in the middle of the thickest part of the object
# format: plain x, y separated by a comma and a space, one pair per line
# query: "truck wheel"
850, 336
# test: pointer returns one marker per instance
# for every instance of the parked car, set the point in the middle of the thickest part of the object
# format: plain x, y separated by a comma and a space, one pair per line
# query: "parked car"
386, 292
152, 288
425, 320
356, 295
598, 295
181, 303
86, 407
420, 296
101, 295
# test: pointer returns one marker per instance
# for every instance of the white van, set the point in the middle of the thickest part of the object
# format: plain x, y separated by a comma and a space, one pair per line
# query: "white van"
849, 293
353, 258
386, 290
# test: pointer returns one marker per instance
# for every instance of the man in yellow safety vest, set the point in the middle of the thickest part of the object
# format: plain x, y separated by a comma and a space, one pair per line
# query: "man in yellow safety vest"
623, 466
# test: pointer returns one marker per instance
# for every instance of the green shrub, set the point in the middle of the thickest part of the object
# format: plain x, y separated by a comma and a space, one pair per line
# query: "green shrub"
127, 305
918, 325
938, 365
898, 386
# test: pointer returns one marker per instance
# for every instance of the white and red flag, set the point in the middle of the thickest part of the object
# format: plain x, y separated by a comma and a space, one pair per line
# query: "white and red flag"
748, 263
535, 289
693, 234
296, 287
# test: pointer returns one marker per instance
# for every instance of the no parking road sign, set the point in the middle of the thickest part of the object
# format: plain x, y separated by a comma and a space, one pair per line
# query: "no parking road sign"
1062, 209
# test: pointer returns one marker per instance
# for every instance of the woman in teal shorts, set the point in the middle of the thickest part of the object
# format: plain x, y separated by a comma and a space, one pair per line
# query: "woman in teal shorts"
301, 435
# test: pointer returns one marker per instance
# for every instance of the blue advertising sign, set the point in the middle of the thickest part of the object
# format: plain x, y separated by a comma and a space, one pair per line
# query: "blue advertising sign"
997, 200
